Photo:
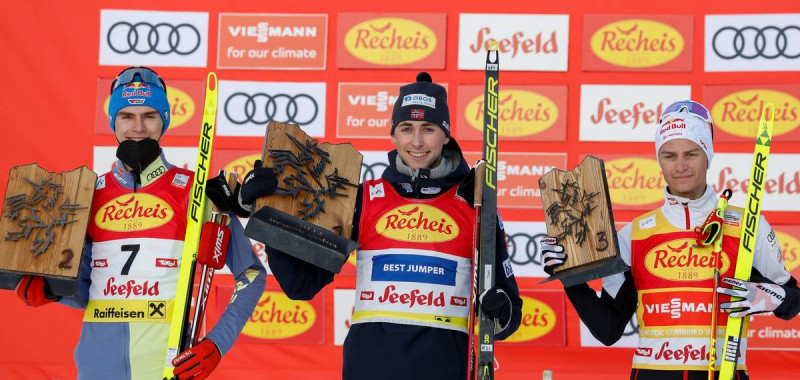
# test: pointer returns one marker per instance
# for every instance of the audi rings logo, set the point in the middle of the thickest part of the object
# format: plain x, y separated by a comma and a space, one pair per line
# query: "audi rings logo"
524, 249
750, 42
260, 108
372, 171
162, 38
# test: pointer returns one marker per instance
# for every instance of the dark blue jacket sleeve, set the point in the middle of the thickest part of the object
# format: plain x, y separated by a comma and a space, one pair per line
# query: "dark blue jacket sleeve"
505, 279
605, 316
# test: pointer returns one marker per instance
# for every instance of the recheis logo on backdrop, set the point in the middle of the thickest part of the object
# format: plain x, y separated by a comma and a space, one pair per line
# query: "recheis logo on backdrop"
525, 42
736, 110
535, 113
272, 41
278, 318
373, 40
543, 321
790, 247
637, 43
153, 38
634, 182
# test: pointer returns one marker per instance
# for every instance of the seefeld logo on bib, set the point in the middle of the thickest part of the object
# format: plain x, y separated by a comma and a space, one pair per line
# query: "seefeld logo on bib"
135, 212
419, 100
417, 222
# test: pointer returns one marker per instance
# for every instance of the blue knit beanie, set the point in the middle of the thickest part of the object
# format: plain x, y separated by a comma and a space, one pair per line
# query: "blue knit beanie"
138, 86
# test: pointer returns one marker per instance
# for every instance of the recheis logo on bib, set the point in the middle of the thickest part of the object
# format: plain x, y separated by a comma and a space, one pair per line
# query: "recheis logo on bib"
135, 212
417, 222
678, 260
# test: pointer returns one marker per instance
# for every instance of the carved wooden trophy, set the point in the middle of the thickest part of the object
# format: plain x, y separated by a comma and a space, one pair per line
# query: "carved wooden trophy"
43, 226
577, 211
311, 214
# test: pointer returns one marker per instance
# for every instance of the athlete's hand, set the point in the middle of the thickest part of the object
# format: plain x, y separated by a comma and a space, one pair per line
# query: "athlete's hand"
218, 191
758, 297
198, 362
257, 183
497, 305
552, 254
30, 290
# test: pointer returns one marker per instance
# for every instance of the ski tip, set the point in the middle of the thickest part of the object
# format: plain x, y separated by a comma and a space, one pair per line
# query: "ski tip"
211, 81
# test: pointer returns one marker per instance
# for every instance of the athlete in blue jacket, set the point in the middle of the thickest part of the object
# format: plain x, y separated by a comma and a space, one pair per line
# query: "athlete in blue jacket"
414, 265
129, 270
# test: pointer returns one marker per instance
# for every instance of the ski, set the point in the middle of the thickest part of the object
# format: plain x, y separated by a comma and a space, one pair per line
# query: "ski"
177, 341
487, 214
747, 241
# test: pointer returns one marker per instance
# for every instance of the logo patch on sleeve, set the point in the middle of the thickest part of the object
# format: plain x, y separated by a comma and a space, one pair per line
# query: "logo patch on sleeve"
507, 267
376, 191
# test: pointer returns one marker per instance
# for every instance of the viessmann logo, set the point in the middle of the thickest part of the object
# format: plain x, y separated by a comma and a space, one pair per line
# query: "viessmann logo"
521, 113
738, 113
637, 43
135, 212
417, 222
390, 41
538, 319
278, 317
634, 181
678, 260
181, 106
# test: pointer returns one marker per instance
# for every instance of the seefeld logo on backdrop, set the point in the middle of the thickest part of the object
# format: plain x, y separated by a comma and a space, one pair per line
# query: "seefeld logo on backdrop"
625, 112
153, 38
525, 42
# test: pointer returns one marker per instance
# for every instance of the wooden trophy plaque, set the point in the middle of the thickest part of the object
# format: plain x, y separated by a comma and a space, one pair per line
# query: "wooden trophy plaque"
310, 216
577, 210
43, 226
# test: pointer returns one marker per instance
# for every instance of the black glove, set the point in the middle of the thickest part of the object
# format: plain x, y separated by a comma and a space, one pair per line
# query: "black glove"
497, 304
552, 254
257, 183
466, 188
218, 191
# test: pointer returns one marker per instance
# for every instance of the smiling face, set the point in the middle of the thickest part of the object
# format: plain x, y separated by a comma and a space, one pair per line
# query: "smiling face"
684, 166
138, 123
419, 143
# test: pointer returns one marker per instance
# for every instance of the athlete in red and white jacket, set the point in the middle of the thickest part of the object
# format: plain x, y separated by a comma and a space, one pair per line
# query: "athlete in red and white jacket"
670, 282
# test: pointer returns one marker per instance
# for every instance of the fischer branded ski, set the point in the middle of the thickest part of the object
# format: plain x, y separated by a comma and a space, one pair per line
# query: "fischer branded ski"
747, 241
487, 218
177, 341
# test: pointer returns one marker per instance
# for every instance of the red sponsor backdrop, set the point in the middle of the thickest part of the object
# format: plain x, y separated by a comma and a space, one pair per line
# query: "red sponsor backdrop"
50, 91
